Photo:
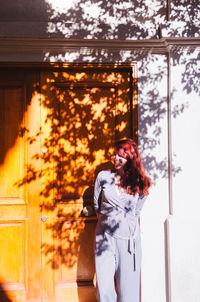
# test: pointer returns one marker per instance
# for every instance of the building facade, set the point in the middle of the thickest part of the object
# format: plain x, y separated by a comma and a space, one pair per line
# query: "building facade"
74, 77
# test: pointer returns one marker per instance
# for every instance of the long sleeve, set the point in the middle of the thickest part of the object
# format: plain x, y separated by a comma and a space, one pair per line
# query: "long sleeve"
97, 193
139, 205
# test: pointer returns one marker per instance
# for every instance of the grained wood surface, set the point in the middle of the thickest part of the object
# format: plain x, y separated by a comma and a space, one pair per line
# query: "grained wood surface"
55, 138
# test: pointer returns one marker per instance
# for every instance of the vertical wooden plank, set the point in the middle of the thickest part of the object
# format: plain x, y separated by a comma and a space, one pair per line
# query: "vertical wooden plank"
13, 201
33, 122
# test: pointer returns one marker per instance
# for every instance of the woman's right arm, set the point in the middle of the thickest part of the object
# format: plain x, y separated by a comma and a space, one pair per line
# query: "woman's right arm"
97, 193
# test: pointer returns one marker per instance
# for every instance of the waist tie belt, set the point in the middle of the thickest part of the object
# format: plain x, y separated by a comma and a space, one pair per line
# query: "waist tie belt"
132, 250
131, 244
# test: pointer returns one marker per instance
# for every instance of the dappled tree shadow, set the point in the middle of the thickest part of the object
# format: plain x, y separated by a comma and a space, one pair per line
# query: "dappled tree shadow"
78, 122
191, 75
75, 135
107, 20
112, 19
135, 20
83, 112
80, 110
186, 16
69, 156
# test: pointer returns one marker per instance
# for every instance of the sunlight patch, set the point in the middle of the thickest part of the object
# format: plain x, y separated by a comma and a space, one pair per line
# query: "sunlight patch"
61, 6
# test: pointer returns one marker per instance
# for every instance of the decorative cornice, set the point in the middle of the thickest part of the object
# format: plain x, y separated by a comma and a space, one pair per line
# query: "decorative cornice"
16, 47
63, 44
183, 41
101, 43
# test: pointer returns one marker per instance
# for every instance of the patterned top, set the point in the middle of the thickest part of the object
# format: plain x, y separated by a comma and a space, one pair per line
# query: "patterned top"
118, 212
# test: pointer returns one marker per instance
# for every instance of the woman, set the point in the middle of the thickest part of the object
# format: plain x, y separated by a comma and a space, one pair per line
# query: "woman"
118, 199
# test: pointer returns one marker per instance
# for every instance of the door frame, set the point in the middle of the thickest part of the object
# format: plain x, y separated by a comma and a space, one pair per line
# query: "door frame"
132, 68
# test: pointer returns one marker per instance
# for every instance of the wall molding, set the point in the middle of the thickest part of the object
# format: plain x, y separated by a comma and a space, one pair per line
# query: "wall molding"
39, 49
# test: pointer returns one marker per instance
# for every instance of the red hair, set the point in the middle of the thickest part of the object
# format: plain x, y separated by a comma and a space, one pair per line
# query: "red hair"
134, 178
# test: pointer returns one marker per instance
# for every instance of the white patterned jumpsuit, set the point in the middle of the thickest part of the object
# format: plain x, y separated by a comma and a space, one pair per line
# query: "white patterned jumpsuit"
118, 242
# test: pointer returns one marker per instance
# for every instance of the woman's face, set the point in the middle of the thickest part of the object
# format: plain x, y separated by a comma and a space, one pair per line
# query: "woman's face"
119, 161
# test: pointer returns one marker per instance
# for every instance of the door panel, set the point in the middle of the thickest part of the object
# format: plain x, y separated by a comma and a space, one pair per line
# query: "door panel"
14, 261
18, 241
83, 112
12, 197
11, 147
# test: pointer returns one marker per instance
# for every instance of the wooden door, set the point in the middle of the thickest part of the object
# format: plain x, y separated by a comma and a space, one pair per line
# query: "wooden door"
20, 224
84, 110
57, 129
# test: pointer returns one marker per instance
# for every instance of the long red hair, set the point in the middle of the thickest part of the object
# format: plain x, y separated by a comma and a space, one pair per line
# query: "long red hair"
134, 178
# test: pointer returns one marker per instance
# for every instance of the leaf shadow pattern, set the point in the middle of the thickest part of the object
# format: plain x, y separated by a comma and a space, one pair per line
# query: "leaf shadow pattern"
114, 22
76, 136
82, 114
135, 20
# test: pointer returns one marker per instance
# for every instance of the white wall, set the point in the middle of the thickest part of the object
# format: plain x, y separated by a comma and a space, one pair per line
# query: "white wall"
153, 146
185, 223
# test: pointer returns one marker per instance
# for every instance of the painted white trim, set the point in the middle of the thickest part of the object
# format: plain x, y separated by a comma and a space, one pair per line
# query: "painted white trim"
168, 259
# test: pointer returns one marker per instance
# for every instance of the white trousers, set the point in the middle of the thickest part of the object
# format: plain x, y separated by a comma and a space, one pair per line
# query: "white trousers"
114, 260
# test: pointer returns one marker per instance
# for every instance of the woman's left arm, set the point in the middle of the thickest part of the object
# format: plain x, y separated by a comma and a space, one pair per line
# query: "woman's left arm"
139, 205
